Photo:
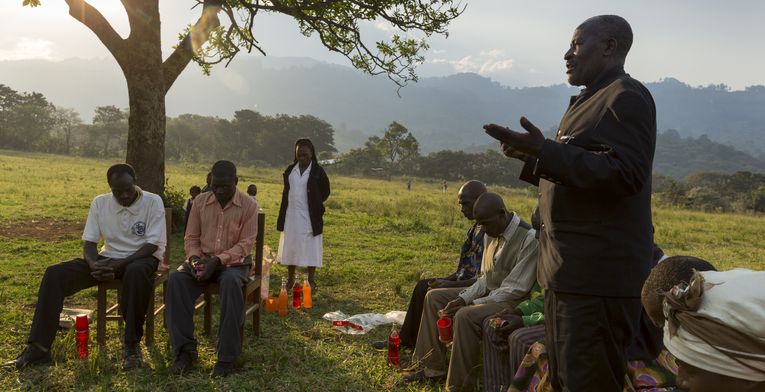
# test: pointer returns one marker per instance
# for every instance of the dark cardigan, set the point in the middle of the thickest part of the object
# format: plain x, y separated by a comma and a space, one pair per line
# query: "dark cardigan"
318, 192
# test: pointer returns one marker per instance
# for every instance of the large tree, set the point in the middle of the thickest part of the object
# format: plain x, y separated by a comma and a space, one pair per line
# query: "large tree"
398, 146
338, 23
109, 125
67, 121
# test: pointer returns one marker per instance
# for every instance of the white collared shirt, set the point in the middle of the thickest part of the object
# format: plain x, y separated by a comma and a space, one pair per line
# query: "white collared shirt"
126, 229
509, 267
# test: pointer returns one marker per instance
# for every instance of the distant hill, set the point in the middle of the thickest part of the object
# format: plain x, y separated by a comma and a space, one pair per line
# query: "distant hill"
443, 113
678, 156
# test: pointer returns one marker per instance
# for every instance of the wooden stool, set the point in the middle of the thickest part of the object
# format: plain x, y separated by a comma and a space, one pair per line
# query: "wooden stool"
250, 291
104, 314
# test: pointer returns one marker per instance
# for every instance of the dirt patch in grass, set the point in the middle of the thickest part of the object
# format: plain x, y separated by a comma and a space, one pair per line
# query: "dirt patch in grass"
43, 229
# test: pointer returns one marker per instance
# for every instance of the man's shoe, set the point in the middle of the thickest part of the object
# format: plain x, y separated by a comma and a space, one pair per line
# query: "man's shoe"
32, 355
183, 363
380, 345
222, 369
419, 375
131, 357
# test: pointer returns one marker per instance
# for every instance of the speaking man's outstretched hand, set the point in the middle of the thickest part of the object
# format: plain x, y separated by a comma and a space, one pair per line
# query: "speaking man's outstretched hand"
529, 142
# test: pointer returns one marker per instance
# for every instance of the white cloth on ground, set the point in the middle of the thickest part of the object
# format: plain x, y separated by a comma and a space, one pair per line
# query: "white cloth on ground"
359, 324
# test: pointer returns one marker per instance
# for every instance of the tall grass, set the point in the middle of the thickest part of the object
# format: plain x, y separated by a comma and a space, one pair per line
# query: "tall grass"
379, 239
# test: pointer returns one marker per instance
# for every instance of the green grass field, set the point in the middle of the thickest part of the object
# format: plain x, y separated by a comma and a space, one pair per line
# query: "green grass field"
379, 239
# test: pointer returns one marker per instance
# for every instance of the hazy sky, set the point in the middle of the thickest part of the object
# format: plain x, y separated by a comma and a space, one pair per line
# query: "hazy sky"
518, 43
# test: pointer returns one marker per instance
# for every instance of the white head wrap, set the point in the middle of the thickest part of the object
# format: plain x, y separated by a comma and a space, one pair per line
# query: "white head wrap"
737, 299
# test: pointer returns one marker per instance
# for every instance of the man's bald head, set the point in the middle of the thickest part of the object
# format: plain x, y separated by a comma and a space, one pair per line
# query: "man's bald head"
468, 194
491, 213
488, 204
473, 188
611, 27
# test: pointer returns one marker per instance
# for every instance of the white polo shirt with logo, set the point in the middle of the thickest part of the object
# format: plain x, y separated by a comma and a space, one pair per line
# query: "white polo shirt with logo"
126, 229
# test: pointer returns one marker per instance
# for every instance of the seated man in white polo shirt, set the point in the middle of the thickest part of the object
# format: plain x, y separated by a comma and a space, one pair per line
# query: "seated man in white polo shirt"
132, 224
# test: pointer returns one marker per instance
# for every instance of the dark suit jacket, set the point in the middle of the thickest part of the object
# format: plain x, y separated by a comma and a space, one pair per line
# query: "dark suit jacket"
595, 191
318, 192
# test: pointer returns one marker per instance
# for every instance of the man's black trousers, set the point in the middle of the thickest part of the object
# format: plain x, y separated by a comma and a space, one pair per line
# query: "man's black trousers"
587, 340
411, 326
69, 277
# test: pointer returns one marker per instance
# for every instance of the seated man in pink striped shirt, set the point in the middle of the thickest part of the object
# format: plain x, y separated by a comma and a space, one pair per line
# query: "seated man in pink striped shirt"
219, 238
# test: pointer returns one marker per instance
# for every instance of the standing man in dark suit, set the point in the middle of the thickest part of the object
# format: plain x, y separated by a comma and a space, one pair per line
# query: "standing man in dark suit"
595, 203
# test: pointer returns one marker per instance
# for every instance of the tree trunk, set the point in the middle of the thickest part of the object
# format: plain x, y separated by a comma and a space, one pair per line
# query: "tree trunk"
148, 77
146, 130
146, 91
68, 133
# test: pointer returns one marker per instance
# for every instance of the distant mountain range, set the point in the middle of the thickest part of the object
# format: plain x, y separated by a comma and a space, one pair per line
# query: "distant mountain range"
443, 113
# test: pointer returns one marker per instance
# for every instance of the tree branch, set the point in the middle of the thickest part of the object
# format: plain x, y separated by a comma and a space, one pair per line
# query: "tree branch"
185, 50
95, 21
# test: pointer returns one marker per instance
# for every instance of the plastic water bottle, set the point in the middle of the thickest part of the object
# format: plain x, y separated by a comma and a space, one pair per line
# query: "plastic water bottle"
282, 305
82, 333
307, 301
296, 294
393, 344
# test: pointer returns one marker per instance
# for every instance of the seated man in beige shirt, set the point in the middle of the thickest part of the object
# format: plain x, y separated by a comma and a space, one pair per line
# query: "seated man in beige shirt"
508, 271
219, 238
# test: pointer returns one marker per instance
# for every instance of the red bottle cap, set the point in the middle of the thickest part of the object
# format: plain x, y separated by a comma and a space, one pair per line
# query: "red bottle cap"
81, 322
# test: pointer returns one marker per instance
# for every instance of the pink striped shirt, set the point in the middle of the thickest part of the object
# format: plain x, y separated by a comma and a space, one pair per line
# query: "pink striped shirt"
228, 233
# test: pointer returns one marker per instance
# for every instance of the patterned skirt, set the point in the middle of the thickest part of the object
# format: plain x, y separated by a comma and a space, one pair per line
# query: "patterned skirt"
642, 376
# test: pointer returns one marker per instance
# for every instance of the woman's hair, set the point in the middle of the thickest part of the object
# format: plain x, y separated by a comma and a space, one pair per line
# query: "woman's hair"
670, 272
305, 142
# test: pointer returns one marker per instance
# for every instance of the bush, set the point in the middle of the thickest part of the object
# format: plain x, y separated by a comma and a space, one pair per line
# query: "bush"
176, 199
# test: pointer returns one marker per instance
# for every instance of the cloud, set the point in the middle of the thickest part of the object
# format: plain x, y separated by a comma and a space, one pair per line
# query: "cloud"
484, 63
234, 82
26, 48
385, 26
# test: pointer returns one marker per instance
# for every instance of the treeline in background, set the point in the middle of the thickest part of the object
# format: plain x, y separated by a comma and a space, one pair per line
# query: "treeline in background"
693, 173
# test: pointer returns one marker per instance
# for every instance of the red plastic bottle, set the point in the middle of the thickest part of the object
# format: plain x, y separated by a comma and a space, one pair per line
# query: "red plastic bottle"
307, 301
393, 344
82, 333
296, 294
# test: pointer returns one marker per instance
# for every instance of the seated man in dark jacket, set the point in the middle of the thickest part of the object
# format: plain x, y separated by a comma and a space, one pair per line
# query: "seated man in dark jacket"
469, 263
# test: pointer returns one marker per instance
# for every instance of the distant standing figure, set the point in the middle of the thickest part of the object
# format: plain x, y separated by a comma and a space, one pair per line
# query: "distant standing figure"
301, 215
444, 187
194, 191
207, 187
409, 185
252, 190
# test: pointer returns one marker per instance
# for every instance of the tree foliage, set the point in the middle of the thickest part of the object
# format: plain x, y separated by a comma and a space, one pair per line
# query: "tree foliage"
25, 120
399, 148
249, 137
338, 23
741, 191
67, 124
109, 131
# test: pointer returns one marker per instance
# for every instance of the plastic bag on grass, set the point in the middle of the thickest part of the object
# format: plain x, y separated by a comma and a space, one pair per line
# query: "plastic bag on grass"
265, 275
360, 324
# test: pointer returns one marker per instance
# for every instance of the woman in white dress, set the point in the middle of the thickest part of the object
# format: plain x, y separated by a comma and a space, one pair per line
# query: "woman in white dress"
301, 215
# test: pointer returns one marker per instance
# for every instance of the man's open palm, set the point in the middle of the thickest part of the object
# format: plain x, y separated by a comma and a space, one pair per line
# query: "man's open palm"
529, 142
